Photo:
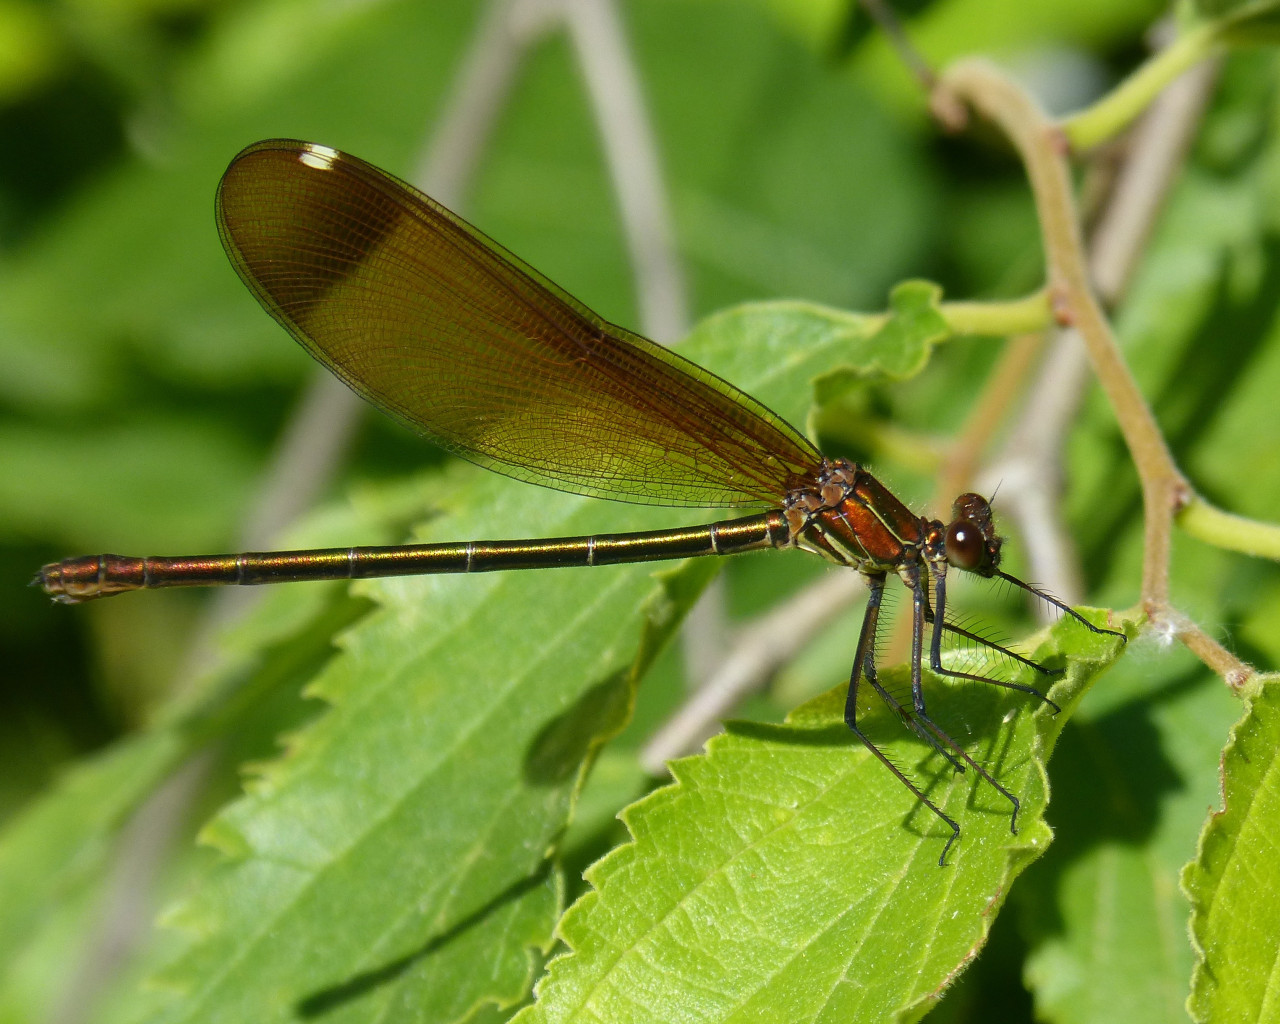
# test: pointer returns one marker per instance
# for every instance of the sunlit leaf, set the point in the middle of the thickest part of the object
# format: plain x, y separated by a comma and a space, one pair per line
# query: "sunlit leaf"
787, 875
1235, 921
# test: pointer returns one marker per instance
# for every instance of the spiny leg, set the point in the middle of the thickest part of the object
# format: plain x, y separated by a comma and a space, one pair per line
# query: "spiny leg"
993, 645
907, 715
864, 663
935, 662
918, 717
1062, 606
919, 603
937, 616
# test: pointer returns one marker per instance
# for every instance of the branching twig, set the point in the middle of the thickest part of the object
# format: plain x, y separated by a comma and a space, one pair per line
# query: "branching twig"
1043, 150
1033, 453
1127, 102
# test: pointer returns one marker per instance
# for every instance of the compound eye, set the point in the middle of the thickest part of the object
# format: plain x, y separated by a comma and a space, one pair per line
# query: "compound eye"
965, 545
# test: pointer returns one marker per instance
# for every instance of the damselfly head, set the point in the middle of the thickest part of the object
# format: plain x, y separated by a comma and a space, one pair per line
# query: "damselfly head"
971, 542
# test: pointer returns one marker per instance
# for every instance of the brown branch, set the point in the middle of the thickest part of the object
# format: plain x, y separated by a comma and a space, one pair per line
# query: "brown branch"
1043, 150
1032, 455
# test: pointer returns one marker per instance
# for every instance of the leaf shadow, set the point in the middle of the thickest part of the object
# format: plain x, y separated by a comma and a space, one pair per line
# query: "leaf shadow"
1119, 756
335, 997
1109, 776
974, 715
558, 750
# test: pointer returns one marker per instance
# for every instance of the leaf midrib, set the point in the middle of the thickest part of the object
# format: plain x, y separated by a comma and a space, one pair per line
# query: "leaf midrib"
820, 793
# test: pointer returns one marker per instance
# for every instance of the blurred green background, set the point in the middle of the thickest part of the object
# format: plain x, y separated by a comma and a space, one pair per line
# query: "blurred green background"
142, 389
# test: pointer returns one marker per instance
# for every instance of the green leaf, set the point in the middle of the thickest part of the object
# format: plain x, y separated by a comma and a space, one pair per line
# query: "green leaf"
1235, 920
896, 346
461, 715
483, 964
914, 326
787, 875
